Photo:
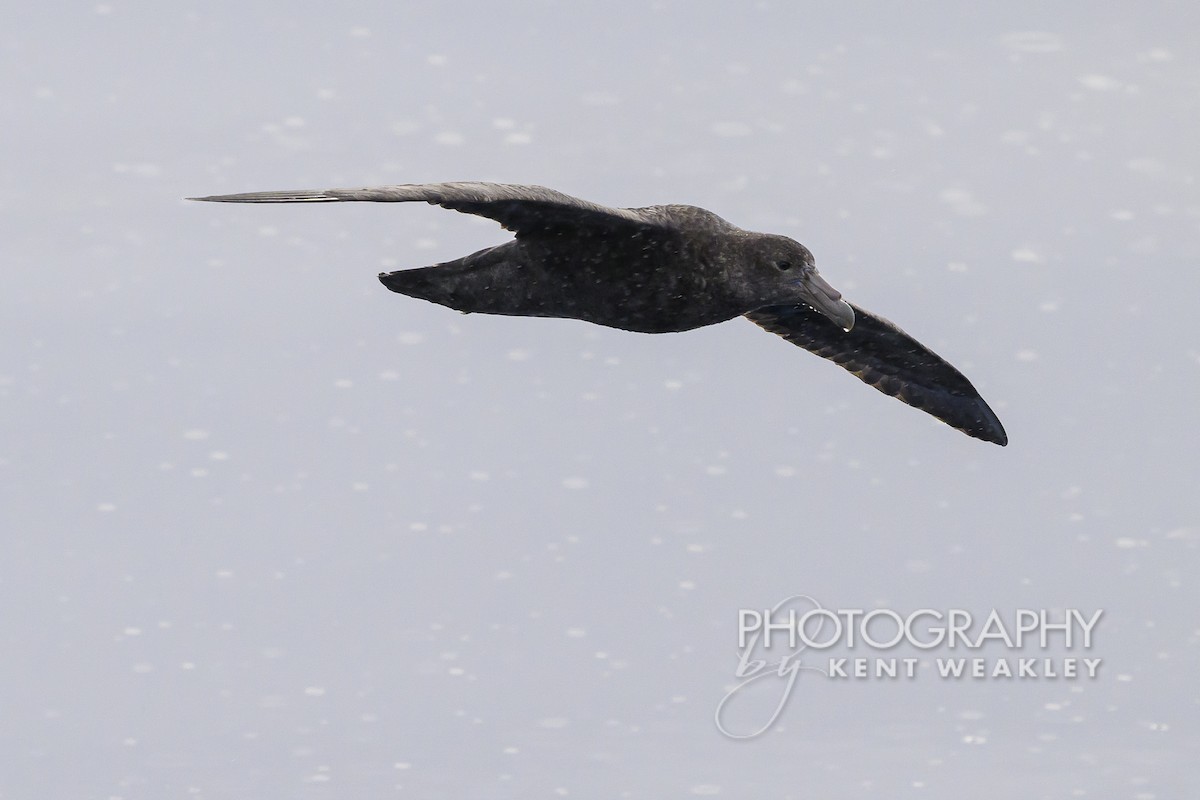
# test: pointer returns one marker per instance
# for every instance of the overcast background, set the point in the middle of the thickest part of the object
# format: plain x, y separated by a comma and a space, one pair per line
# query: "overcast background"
271, 531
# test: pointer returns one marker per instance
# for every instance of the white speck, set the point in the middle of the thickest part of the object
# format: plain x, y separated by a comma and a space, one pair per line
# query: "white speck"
728, 129
131, 631
518, 137
1027, 255
410, 337
1158, 54
360, 31
519, 355
600, 99
195, 434
793, 86
1129, 543
293, 122
389, 375
1048, 306
956, 266
436, 60
687, 586
1122, 215
360, 487
314, 691
479, 475
198, 472
785, 472
1125, 677
449, 138
575, 483
1032, 42
140, 170
106, 507
715, 469
511, 751
143, 668
576, 633
326, 94
268, 230
1100, 83
103, 9
961, 202
553, 722
1147, 166
1027, 355
219, 455
673, 385
343, 383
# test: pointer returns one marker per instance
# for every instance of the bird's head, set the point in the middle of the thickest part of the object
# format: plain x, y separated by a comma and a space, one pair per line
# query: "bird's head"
783, 272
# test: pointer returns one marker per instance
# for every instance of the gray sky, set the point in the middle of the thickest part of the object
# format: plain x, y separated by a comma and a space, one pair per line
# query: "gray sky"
272, 531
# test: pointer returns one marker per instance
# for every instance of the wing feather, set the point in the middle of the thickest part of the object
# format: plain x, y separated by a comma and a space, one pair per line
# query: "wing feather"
884, 356
524, 210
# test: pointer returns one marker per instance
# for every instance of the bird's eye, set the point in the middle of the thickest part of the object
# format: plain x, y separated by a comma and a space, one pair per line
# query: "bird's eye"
783, 266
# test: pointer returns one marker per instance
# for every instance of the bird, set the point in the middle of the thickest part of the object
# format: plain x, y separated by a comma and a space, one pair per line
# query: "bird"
661, 269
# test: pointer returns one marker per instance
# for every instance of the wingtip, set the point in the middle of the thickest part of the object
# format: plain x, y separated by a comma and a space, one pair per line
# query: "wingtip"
285, 196
988, 427
995, 437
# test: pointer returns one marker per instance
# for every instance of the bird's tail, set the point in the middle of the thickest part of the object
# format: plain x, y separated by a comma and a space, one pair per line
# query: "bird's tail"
474, 283
426, 283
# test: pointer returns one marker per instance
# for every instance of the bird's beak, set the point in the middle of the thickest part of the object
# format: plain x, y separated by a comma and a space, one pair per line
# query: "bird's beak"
817, 292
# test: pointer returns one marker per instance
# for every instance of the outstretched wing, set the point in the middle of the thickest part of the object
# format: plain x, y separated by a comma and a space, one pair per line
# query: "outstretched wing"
893, 362
522, 209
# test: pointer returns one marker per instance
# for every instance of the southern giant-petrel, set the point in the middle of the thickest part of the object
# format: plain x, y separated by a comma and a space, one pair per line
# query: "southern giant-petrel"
661, 269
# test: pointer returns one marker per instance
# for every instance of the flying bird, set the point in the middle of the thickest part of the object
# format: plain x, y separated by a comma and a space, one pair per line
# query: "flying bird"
661, 269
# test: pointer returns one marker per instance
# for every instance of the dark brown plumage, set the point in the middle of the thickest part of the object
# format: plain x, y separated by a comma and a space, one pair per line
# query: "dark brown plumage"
661, 269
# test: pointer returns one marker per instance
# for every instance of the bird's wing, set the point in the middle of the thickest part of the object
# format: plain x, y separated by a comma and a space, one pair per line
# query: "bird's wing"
893, 362
521, 209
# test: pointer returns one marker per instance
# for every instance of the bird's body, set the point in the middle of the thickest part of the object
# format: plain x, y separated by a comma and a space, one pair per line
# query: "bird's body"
662, 269
675, 272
